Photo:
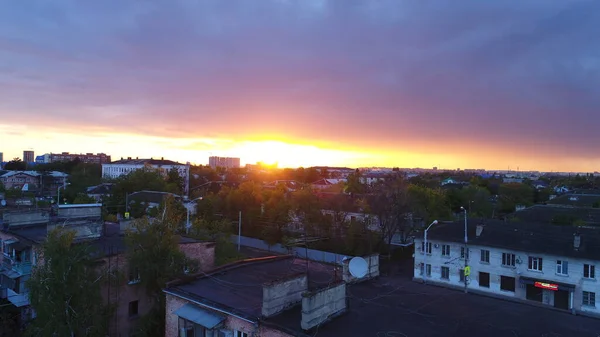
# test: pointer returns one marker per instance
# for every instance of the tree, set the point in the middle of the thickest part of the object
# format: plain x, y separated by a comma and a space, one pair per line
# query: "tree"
428, 204
143, 179
175, 182
16, 165
354, 183
153, 250
390, 204
65, 291
83, 198
9, 319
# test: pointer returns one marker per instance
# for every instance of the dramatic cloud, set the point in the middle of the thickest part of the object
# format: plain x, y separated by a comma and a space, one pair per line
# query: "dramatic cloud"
424, 76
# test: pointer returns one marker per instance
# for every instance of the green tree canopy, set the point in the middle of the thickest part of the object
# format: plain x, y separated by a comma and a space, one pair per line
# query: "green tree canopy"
153, 251
65, 290
16, 165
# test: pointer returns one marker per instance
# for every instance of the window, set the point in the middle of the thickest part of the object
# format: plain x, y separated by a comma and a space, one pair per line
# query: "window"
562, 267
428, 269
428, 251
589, 271
240, 334
189, 329
133, 308
589, 299
485, 256
484, 279
134, 276
462, 252
461, 275
445, 250
535, 263
445, 273
508, 259
507, 283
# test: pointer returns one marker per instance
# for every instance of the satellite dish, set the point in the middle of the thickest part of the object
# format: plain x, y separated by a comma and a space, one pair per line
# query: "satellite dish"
358, 267
3, 203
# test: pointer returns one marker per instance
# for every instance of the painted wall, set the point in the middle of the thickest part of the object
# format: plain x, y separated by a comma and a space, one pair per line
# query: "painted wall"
496, 270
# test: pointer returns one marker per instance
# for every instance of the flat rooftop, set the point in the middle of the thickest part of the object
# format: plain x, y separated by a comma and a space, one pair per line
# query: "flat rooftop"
239, 288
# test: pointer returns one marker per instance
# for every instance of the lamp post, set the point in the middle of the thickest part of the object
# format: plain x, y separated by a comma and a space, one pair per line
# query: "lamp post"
187, 207
59, 187
425, 251
466, 251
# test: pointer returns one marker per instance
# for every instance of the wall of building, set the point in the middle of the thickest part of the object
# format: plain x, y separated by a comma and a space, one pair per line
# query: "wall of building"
282, 294
322, 305
203, 252
496, 270
232, 323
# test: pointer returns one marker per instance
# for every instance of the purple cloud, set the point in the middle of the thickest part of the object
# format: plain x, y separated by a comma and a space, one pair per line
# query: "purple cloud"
398, 73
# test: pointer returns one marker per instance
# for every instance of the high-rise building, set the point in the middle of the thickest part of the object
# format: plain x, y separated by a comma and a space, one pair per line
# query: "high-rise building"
226, 162
28, 156
1, 157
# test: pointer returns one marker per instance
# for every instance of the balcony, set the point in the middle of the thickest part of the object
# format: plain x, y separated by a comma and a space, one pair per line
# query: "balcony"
23, 268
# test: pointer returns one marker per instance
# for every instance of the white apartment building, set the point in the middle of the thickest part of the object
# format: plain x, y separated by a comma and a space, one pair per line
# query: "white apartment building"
125, 166
226, 162
551, 265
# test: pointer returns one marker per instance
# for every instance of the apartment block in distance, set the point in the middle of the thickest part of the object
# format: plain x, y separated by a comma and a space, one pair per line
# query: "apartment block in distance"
28, 156
539, 263
89, 158
226, 162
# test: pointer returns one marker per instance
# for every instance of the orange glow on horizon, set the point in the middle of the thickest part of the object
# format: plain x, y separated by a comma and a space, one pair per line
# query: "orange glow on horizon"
286, 152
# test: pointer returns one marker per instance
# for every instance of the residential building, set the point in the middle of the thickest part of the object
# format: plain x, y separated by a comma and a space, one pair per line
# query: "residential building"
89, 158
43, 159
34, 181
277, 296
225, 162
28, 156
544, 264
25, 231
100, 192
125, 166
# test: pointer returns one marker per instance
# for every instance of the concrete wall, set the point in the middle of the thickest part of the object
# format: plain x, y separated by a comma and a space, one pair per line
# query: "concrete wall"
282, 294
203, 252
80, 212
323, 305
313, 254
373, 270
26, 218
231, 324
496, 270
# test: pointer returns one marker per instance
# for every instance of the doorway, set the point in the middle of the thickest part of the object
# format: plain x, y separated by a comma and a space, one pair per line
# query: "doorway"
534, 294
561, 299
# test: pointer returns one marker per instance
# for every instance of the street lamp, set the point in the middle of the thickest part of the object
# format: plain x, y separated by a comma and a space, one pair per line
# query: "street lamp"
425, 252
59, 187
188, 225
466, 250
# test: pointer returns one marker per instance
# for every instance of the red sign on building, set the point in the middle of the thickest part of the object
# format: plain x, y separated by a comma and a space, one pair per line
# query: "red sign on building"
549, 286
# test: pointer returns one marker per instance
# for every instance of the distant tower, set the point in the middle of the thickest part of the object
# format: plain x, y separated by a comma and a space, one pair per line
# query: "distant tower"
28, 156
1, 157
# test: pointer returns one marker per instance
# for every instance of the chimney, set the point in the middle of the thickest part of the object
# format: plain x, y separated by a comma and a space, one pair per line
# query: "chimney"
162, 158
128, 158
479, 230
576, 241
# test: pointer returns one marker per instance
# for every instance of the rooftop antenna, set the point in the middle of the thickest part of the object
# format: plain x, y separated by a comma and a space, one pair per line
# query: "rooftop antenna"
358, 267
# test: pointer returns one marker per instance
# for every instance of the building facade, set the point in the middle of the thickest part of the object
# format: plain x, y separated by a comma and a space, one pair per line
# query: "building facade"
226, 162
125, 166
28, 156
88, 158
542, 264
34, 180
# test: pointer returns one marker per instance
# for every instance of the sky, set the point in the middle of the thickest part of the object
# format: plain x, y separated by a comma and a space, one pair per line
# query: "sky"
493, 84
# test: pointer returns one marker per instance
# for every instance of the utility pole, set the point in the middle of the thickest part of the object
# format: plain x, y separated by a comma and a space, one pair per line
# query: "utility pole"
466, 271
240, 231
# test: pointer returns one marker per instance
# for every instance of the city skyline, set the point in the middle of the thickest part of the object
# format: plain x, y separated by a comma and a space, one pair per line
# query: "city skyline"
492, 84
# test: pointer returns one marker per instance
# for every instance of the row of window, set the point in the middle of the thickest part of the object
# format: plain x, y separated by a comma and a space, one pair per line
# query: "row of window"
507, 283
509, 260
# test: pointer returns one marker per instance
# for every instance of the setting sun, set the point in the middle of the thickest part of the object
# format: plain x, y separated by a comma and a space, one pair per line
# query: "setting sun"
290, 155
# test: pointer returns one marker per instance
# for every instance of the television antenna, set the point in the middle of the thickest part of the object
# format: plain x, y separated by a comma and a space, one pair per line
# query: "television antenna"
358, 267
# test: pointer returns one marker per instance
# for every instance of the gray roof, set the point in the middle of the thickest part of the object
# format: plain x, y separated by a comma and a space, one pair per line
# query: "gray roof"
528, 237
157, 162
